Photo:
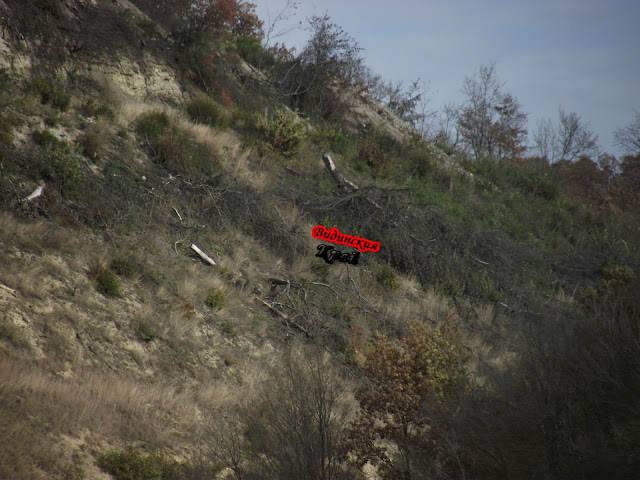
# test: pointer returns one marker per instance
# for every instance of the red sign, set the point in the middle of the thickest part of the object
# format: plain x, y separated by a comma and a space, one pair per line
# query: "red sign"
334, 235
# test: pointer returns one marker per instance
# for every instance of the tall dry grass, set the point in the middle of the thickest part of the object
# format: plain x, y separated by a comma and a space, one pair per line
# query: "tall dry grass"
36, 408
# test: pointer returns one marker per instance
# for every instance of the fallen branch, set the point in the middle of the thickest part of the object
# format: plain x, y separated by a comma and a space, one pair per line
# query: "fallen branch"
480, 261
288, 321
203, 255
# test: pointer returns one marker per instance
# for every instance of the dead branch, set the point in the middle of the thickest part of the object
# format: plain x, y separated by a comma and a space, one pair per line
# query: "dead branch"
344, 184
35, 194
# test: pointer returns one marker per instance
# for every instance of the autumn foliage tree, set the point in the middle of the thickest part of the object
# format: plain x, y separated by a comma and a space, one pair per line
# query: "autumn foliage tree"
490, 121
409, 379
194, 21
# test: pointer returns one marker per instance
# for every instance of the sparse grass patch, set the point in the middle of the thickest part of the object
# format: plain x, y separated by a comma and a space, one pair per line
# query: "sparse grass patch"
12, 334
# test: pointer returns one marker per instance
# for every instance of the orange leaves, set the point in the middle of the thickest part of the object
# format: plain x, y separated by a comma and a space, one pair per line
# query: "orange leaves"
406, 377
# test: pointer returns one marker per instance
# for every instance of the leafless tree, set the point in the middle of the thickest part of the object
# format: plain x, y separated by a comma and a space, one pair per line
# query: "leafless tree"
327, 69
544, 139
575, 137
448, 134
628, 137
294, 431
410, 103
569, 140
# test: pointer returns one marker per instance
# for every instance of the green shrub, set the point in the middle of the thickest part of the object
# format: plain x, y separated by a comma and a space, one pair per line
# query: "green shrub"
331, 136
6, 131
91, 109
173, 147
51, 91
147, 25
151, 125
181, 155
47, 6
45, 138
486, 288
129, 464
125, 265
91, 143
108, 282
228, 328
386, 275
59, 165
52, 120
539, 183
145, 329
251, 51
285, 132
216, 299
206, 111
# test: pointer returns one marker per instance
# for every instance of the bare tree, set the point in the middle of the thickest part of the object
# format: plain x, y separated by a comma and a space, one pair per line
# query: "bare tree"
575, 137
410, 103
628, 137
544, 139
569, 140
294, 431
448, 136
490, 122
329, 65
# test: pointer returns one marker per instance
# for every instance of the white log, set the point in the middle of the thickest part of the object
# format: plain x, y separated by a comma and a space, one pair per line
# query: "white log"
339, 179
203, 255
35, 194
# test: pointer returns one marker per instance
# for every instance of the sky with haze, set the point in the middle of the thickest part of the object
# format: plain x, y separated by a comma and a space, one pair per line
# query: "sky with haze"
583, 55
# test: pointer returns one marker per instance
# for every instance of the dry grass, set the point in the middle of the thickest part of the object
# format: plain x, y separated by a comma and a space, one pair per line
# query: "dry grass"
225, 144
33, 237
36, 408
214, 140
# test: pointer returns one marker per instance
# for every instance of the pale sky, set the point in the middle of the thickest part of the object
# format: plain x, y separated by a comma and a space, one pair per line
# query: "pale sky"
583, 55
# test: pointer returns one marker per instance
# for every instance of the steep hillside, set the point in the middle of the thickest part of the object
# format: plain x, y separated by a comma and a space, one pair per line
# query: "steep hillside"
124, 354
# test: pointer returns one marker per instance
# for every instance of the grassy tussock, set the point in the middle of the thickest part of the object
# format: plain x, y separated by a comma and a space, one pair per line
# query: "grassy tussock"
216, 141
